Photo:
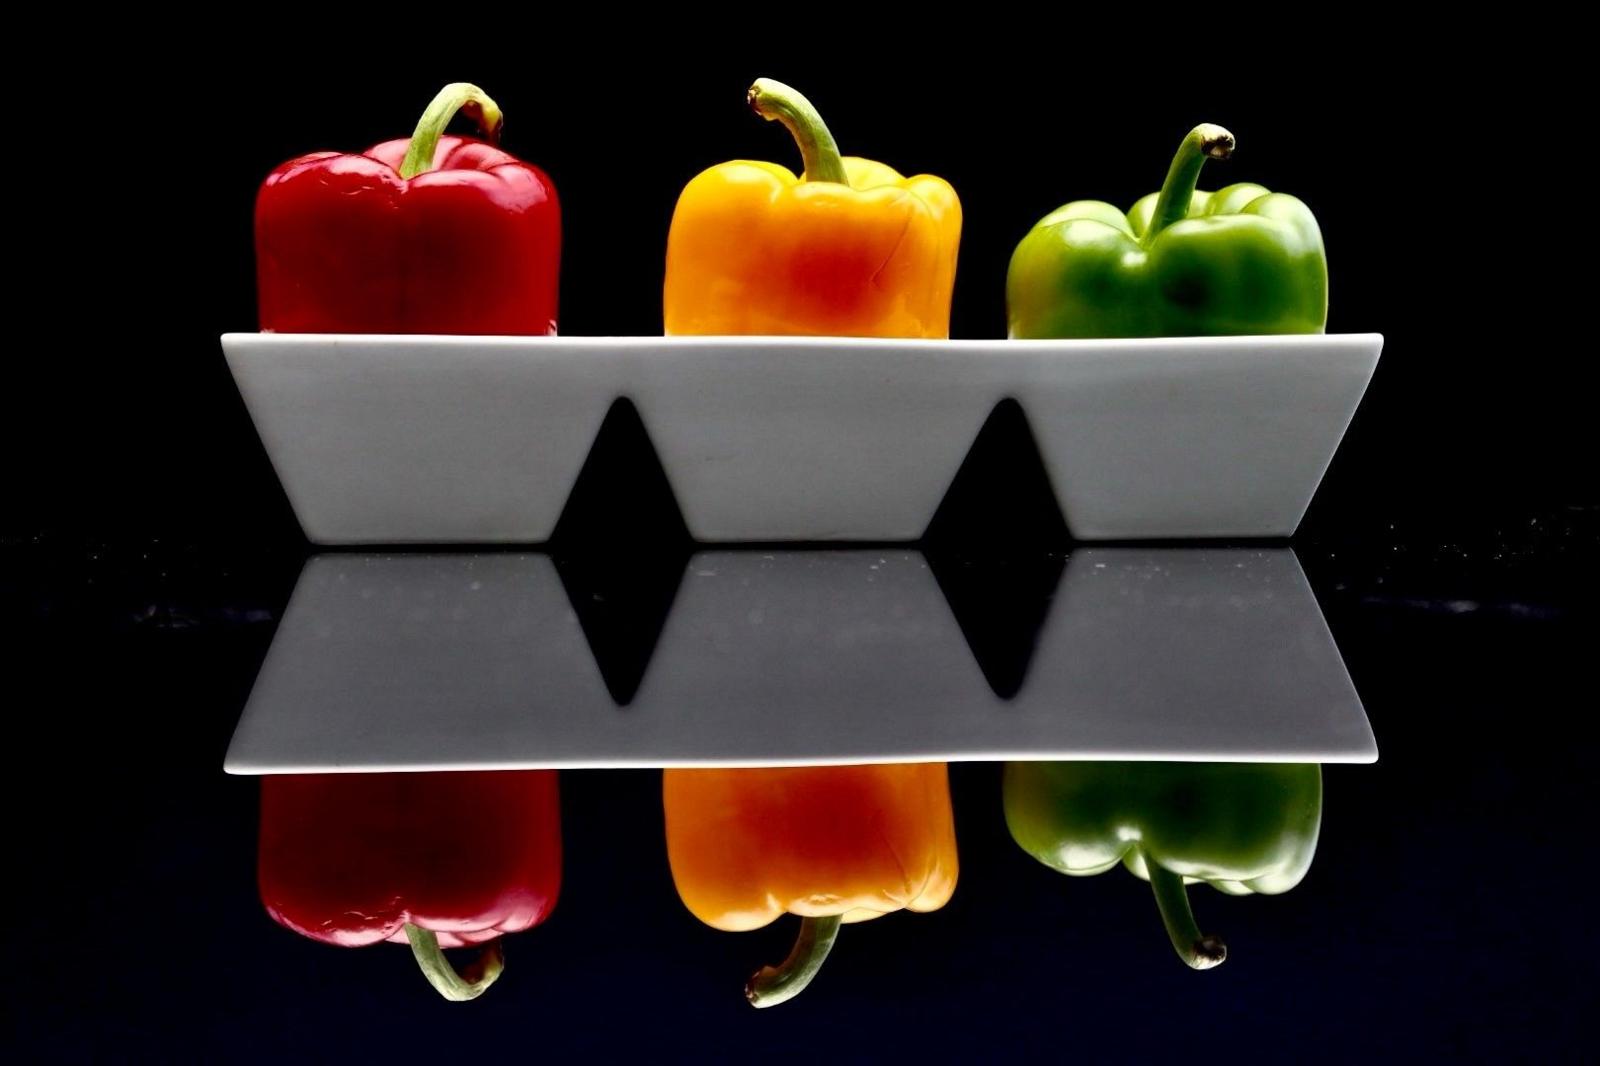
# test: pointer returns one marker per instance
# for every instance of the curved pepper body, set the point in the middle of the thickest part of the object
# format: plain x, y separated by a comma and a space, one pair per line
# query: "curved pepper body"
755, 250
748, 845
349, 859
1240, 827
345, 245
1238, 261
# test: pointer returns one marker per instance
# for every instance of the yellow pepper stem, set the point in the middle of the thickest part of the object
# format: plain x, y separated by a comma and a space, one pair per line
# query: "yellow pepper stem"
772, 985
777, 102
1204, 142
458, 96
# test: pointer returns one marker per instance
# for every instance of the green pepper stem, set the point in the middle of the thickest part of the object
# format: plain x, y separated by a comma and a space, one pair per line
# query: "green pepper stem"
1196, 949
772, 985
458, 987
458, 96
777, 102
1204, 142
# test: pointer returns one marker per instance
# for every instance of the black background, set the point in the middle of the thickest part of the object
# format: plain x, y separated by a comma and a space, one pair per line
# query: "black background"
150, 548
1432, 175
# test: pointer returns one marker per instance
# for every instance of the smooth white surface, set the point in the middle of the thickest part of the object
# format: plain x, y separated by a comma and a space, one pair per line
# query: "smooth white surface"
393, 439
423, 662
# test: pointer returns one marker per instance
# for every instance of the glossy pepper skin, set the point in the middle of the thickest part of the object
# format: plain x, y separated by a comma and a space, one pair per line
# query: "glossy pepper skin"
1240, 827
832, 844
441, 860
427, 234
1181, 263
849, 249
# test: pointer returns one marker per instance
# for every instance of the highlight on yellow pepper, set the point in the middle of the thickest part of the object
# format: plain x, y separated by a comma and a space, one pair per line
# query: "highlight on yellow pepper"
848, 249
832, 844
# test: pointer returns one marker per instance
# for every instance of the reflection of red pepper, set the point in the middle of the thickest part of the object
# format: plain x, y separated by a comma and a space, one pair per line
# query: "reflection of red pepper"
428, 234
440, 859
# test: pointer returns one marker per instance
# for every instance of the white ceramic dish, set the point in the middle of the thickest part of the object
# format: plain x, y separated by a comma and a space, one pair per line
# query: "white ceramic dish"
395, 440
436, 662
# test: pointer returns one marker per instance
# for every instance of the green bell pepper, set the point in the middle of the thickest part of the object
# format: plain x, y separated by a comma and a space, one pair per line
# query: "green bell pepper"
1181, 263
1241, 827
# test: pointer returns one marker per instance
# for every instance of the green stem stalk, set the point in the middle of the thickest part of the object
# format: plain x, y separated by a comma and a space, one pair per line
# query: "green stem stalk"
772, 985
777, 102
1204, 142
458, 96
1198, 950
469, 983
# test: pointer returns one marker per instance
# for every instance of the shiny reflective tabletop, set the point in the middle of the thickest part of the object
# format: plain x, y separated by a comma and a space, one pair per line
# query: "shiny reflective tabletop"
1131, 699
459, 661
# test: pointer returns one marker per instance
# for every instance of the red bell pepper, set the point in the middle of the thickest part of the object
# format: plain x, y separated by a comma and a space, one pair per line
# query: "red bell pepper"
441, 860
431, 234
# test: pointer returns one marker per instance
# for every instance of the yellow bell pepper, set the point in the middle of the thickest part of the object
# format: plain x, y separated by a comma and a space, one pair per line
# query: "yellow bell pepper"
829, 843
850, 249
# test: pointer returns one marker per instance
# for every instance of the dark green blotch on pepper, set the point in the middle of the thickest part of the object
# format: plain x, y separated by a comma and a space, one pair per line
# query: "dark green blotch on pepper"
1181, 263
1240, 827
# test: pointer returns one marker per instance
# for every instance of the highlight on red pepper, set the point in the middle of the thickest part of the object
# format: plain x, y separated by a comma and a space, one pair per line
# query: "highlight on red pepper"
832, 844
436, 860
427, 234
850, 248
1242, 828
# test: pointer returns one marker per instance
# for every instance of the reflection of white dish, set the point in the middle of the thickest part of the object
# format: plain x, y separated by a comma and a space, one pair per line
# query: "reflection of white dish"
392, 439
797, 658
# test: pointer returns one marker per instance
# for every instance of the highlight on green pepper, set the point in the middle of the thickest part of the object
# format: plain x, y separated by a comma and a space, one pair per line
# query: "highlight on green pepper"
1180, 263
1241, 827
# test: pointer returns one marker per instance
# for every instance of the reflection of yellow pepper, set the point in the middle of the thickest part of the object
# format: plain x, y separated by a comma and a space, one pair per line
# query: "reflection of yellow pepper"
830, 843
851, 249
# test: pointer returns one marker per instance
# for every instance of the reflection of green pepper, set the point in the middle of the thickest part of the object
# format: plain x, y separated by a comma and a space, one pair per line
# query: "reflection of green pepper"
1242, 827
1182, 263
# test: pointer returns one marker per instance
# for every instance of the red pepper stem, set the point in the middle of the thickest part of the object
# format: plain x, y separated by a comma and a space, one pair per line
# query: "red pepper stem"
772, 985
1204, 142
1198, 950
458, 987
458, 96
777, 102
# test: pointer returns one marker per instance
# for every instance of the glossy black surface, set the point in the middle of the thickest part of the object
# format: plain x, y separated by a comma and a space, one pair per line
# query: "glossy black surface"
1445, 913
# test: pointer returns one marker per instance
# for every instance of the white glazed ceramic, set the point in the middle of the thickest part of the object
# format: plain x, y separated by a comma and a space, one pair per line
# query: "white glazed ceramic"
393, 439
420, 662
